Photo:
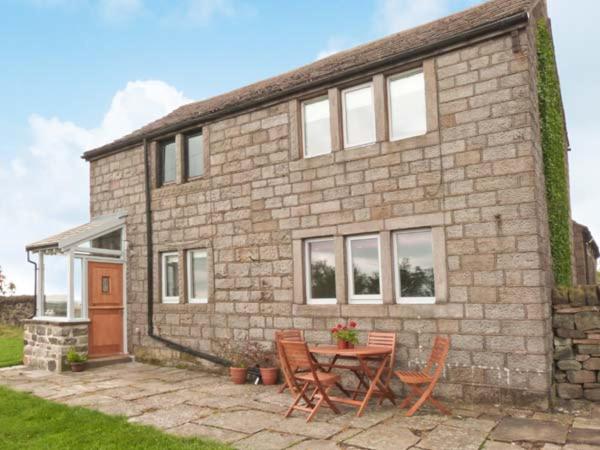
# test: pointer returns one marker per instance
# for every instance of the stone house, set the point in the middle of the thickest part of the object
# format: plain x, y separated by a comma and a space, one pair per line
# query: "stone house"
399, 184
586, 254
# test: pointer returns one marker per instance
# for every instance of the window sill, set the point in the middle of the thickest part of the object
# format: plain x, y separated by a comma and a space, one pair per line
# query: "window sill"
57, 321
416, 301
317, 302
365, 301
197, 301
356, 146
166, 301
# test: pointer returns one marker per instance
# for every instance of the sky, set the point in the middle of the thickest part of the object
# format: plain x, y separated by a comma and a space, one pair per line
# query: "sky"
79, 73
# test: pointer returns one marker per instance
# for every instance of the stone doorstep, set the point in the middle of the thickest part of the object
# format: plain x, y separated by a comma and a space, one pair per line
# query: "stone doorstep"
511, 429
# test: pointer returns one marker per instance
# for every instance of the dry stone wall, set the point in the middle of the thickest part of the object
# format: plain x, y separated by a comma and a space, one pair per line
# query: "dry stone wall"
15, 309
576, 324
479, 169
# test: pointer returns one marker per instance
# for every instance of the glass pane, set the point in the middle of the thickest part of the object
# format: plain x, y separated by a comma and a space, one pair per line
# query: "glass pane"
359, 116
110, 241
78, 287
168, 161
195, 156
322, 269
55, 286
199, 283
317, 138
171, 276
407, 105
365, 266
415, 264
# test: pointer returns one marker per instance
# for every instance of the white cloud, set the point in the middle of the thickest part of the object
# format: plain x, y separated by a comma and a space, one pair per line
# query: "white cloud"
392, 16
201, 12
119, 10
45, 186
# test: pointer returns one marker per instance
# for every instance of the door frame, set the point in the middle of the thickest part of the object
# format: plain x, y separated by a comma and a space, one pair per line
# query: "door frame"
123, 262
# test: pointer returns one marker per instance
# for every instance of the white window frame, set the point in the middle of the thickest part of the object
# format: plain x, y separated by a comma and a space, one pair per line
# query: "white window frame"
344, 124
362, 298
164, 297
302, 107
186, 143
190, 275
307, 273
410, 300
389, 101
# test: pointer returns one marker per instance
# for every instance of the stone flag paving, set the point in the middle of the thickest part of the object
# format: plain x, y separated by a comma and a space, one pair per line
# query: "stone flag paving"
192, 403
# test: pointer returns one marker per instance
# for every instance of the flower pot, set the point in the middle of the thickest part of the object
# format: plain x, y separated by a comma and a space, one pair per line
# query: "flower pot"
77, 367
269, 375
350, 345
238, 374
341, 344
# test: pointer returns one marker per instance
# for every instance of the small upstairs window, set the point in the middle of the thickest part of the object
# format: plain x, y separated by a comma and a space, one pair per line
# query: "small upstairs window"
194, 155
316, 128
168, 161
359, 115
197, 274
408, 111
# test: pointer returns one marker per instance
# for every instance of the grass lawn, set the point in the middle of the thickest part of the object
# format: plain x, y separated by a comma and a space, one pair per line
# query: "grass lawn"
28, 422
11, 345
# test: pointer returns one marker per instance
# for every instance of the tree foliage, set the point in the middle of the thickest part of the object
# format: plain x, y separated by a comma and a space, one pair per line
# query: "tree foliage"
6, 287
416, 282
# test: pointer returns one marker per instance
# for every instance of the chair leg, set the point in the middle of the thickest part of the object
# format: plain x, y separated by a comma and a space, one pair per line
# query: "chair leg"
408, 398
300, 395
315, 409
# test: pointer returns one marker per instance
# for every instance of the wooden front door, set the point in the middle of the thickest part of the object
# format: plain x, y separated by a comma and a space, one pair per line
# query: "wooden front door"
105, 305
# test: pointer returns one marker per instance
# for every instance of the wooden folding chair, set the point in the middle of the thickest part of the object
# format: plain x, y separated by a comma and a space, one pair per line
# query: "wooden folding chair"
379, 339
423, 383
295, 357
287, 335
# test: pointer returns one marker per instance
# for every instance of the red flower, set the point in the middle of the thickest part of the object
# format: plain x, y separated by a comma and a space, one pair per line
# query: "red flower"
339, 326
334, 330
353, 324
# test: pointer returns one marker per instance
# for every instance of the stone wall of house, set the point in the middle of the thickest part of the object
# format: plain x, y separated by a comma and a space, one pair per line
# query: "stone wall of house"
14, 309
479, 172
576, 324
48, 342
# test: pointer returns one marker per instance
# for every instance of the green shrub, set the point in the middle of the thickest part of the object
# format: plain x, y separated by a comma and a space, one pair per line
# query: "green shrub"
553, 146
74, 357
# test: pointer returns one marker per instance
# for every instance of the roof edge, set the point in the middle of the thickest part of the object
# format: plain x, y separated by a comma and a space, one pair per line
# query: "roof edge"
497, 25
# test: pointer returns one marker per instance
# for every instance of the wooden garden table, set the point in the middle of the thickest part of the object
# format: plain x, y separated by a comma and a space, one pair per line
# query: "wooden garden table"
364, 354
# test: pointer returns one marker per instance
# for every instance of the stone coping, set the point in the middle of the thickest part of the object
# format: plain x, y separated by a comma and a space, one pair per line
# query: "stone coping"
58, 321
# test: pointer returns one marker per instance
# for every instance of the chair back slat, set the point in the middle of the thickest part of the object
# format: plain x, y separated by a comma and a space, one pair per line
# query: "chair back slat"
296, 355
289, 335
437, 358
384, 339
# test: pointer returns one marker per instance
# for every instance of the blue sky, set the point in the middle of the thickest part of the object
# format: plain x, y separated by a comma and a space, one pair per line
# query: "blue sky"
78, 73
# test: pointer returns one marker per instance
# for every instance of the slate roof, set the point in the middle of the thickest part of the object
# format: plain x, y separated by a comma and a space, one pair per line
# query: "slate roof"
356, 59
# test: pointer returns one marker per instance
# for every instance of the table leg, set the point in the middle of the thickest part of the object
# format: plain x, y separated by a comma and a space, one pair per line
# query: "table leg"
373, 381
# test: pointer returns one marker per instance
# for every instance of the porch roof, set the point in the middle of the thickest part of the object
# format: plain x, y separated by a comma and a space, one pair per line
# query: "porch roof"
96, 227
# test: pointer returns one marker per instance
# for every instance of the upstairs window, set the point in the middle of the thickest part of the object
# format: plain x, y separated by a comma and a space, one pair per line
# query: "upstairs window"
194, 154
197, 276
364, 269
358, 115
320, 271
170, 278
408, 113
168, 161
316, 127
414, 274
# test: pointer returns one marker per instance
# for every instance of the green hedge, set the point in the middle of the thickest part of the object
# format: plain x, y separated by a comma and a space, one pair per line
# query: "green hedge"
553, 145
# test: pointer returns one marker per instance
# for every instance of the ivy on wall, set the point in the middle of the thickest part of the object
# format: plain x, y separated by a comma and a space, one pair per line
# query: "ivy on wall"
553, 145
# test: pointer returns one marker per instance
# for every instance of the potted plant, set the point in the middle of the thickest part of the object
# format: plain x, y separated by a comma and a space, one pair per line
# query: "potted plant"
76, 360
237, 353
269, 372
345, 335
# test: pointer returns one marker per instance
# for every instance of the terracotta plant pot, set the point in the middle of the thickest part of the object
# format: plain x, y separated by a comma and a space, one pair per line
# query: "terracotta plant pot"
350, 345
238, 374
269, 375
342, 344
77, 367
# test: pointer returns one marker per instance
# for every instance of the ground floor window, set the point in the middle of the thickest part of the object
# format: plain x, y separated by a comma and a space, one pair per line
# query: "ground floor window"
320, 271
197, 275
414, 273
364, 269
170, 278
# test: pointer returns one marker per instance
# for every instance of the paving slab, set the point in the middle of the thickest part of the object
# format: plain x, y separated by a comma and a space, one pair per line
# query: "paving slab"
314, 444
512, 429
382, 437
451, 438
584, 436
120, 408
416, 423
172, 416
367, 420
243, 421
268, 440
196, 430
314, 429
470, 423
493, 445
587, 422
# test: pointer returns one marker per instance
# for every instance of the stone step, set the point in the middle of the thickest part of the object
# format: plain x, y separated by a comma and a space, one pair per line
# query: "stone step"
94, 363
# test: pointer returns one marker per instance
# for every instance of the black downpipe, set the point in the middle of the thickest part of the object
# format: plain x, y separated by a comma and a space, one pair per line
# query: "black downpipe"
35, 272
150, 287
